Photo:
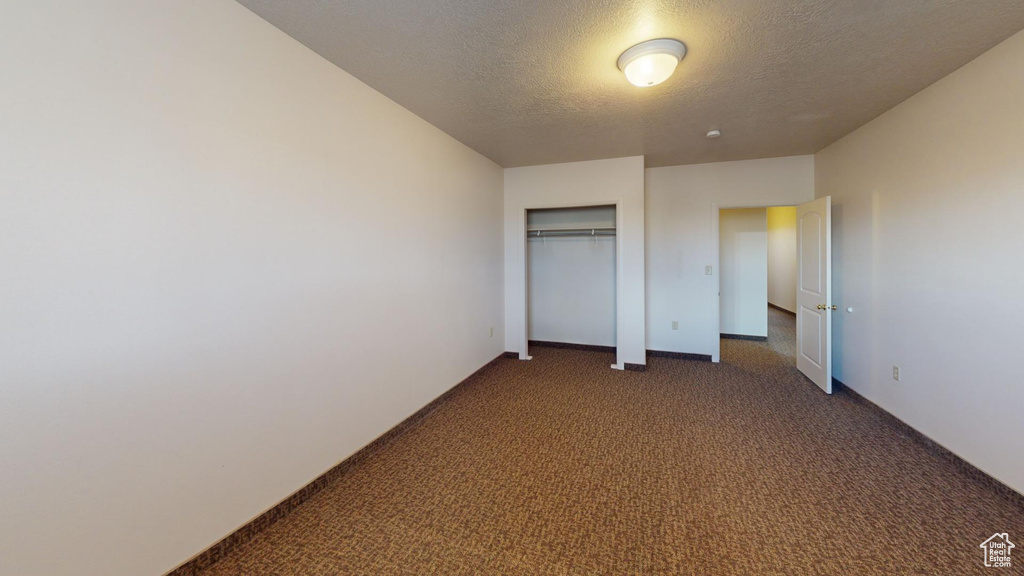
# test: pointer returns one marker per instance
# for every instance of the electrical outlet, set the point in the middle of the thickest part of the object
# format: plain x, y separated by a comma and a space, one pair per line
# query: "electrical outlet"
675, 325
896, 373
492, 332
707, 270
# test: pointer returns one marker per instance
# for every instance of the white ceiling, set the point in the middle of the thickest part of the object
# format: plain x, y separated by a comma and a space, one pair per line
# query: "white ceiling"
535, 81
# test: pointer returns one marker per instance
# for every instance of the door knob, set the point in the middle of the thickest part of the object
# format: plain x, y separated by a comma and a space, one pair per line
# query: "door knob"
821, 306
834, 307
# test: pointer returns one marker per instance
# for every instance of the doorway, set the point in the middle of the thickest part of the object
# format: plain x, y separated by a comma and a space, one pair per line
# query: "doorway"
758, 278
742, 238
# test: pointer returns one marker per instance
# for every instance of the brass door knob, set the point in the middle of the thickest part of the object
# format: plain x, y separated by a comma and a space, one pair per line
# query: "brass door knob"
821, 306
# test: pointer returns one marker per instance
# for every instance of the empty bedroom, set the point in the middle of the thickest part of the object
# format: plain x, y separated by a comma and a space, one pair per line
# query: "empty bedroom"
441, 287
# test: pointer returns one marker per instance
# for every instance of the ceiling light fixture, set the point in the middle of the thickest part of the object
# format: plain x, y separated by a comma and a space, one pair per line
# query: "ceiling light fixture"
652, 62
714, 134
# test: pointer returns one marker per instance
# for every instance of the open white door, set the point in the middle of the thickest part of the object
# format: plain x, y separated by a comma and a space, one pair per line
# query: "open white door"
814, 291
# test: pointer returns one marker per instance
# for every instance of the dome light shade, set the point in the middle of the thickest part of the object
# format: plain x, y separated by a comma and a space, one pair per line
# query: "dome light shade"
652, 62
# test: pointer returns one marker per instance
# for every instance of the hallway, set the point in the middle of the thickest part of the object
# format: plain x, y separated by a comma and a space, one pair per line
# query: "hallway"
781, 340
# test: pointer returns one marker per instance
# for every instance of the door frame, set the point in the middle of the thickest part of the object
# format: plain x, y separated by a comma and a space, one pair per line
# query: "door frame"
524, 341
716, 214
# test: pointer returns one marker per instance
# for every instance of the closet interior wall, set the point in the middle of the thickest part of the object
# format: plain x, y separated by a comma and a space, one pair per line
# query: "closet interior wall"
571, 279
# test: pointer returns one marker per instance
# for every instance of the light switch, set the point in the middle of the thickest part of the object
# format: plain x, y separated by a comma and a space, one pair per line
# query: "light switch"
675, 325
707, 270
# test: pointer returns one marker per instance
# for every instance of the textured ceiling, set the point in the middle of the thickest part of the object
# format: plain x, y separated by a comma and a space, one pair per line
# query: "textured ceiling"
535, 82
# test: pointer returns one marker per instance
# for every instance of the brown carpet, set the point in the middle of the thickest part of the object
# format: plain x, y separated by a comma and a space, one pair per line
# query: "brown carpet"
562, 466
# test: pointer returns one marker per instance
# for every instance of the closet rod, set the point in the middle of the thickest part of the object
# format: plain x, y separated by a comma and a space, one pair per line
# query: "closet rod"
566, 232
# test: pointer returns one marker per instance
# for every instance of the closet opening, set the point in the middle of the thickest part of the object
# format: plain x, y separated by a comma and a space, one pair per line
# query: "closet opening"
571, 278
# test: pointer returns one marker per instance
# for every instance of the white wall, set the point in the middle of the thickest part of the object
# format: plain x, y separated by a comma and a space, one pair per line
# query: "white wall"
782, 257
682, 238
572, 279
618, 181
743, 272
928, 202
227, 265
